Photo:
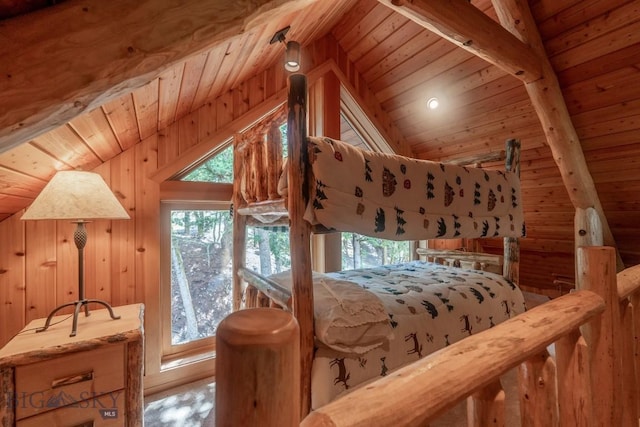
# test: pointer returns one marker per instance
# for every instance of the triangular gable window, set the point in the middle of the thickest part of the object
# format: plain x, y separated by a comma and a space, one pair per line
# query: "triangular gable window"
218, 168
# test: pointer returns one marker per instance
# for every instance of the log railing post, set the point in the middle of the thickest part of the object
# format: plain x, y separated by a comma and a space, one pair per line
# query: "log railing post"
258, 369
486, 407
635, 305
597, 273
629, 385
574, 380
537, 385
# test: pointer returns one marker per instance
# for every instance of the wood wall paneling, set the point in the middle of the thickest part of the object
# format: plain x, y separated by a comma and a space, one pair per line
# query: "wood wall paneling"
12, 278
123, 268
41, 263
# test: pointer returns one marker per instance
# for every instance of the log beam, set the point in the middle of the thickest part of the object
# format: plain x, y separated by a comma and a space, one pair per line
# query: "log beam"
469, 28
551, 108
517, 48
103, 49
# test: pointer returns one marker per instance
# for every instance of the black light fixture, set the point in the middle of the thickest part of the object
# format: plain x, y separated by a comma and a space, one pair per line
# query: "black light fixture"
292, 53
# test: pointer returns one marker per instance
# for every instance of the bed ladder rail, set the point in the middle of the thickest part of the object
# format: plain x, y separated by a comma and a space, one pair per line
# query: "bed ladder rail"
257, 284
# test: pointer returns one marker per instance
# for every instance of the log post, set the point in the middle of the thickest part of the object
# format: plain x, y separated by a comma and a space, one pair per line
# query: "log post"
7, 396
597, 273
274, 160
257, 367
239, 221
574, 380
635, 304
630, 388
587, 228
550, 106
250, 296
511, 267
538, 398
300, 230
259, 167
486, 407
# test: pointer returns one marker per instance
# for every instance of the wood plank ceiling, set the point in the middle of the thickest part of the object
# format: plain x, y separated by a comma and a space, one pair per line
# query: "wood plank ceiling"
594, 47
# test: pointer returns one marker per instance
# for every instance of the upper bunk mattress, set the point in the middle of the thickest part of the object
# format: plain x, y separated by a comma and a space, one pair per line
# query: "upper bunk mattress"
401, 198
429, 307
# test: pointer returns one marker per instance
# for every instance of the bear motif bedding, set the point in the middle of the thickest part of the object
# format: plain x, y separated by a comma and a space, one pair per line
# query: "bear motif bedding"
428, 306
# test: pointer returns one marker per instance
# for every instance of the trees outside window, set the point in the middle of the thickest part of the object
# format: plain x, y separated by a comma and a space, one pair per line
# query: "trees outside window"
360, 251
201, 250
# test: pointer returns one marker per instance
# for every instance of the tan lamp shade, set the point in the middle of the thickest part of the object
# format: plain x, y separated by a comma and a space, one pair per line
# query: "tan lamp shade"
76, 195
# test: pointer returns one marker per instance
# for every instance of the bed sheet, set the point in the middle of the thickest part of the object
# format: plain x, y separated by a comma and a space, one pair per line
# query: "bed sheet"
429, 306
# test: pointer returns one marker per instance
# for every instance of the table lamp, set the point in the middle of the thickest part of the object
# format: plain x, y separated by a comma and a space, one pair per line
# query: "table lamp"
78, 196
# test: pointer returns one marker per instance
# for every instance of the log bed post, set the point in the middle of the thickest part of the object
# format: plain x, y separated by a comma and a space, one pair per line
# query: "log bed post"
511, 248
300, 230
239, 222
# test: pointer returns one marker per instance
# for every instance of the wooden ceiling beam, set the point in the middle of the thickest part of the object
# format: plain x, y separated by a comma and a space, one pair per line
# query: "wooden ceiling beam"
61, 61
469, 28
548, 102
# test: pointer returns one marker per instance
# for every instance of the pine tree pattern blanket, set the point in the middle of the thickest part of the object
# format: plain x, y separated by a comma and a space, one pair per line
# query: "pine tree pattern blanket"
429, 306
401, 198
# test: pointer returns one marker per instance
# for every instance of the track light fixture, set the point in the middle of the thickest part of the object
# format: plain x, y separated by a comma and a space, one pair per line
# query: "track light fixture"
292, 53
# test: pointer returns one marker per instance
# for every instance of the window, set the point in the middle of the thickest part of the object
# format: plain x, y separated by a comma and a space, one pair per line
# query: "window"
267, 250
217, 169
196, 254
200, 273
197, 258
360, 251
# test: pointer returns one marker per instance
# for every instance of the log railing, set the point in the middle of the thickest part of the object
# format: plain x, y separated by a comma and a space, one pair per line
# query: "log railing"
591, 381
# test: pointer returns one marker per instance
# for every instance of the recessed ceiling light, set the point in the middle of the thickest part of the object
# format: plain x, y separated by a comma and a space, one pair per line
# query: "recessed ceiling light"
433, 103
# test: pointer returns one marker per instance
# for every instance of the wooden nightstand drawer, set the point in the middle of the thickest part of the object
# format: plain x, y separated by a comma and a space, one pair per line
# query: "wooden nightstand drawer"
106, 410
51, 384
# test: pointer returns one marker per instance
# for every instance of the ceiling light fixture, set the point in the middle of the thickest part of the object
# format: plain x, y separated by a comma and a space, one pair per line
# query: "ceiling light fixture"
433, 103
292, 53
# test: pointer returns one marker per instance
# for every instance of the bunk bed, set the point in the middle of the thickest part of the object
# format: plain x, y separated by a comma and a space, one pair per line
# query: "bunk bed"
592, 379
393, 312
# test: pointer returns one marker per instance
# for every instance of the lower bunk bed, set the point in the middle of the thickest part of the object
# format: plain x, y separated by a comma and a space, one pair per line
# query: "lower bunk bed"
370, 322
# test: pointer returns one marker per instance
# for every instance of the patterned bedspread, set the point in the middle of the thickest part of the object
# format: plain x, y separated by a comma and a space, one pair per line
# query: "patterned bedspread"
401, 198
430, 306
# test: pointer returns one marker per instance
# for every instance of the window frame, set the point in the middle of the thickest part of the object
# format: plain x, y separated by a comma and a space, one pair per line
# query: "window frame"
204, 346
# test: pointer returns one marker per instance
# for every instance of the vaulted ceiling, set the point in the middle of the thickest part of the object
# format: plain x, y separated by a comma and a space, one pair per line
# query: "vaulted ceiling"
593, 47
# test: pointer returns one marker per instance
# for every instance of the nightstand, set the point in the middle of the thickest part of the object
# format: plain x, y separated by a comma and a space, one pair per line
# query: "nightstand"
92, 379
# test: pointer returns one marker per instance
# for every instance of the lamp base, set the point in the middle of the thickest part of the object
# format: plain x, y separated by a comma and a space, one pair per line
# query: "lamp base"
78, 305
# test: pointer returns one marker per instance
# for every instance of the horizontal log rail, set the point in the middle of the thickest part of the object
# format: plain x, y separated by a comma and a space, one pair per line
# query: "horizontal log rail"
628, 282
473, 257
279, 294
273, 208
420, 392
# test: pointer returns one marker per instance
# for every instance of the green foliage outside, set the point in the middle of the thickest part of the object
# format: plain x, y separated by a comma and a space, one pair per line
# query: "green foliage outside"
217, 169
360, 251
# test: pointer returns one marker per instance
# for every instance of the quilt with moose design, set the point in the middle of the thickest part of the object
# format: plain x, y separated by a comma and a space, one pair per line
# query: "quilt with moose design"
401, 198
429, 306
